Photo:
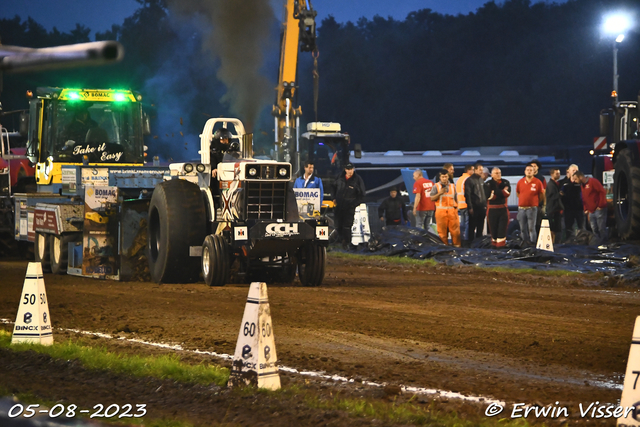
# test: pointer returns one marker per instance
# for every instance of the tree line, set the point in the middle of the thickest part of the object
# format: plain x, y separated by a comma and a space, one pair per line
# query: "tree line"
513, 73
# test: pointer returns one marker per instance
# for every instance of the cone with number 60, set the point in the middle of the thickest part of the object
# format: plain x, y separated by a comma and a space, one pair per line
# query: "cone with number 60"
254, 361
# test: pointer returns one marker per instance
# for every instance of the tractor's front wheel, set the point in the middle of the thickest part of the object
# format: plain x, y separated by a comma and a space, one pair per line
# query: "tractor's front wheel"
215, 261
311, 266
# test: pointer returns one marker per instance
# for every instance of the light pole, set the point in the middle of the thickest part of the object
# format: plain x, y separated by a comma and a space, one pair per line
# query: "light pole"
616, 24
615, 67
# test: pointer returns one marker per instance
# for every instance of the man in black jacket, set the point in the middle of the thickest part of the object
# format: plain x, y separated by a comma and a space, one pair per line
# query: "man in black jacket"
393, 209
497, 191
554, 204
348, 194
572, 201
476, 202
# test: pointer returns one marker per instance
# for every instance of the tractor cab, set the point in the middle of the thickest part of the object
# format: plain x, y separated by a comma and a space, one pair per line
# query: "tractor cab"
78, 126
327, 147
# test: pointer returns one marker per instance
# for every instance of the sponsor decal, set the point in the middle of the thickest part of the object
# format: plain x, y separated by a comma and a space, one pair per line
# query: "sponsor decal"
307, 193
322, 233
246, 352
308, 201
45, 220
96, 94
105, 156
281, 230
100, 269
105, 192
607, 177
95, 176
240, 233
68, 175
267, 365
26, 328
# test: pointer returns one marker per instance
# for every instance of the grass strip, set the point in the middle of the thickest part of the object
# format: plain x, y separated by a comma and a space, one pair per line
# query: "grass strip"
430, 262
164, 367
381, 258
406, 413
170, 367
524, 270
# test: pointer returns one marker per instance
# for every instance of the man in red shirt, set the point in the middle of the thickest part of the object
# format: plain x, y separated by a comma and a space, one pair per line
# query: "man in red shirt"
594, 200
423, 206
530, 195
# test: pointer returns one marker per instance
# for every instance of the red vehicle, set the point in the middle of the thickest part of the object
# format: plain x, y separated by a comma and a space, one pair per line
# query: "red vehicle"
15, 168
16, 174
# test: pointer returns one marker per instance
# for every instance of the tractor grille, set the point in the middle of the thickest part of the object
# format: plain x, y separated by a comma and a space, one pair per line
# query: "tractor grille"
266, 200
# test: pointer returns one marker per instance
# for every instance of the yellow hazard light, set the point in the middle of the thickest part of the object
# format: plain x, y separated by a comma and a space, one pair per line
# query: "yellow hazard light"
591, 152
614, 93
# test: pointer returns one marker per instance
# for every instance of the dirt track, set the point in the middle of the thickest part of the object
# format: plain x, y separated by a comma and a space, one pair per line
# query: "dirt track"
516, 338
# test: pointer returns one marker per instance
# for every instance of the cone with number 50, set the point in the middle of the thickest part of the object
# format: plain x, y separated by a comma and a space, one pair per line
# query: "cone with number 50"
254, 361
33, 323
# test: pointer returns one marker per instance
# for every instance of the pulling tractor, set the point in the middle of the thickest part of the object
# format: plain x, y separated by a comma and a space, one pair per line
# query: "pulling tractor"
245, 219
616, 163
87, 213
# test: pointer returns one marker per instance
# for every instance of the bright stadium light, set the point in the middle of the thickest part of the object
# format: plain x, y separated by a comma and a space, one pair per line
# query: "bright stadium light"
616, 24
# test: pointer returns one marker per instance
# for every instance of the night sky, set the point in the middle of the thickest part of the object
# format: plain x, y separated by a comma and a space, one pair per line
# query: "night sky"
99, 15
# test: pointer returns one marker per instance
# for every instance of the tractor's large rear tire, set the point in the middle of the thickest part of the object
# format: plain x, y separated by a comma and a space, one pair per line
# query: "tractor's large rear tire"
41, 251
177, 221
626, 196
215, 261
311, 266
59, 250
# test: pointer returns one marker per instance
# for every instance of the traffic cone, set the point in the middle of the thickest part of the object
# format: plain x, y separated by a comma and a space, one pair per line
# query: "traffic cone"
545, 242
630, 401
254, 361
33, 322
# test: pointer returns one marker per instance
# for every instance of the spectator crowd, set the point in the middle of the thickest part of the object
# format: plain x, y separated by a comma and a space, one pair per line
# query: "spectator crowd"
459, 210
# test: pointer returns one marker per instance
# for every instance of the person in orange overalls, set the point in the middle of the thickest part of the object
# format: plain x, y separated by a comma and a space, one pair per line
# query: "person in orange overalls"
447, 221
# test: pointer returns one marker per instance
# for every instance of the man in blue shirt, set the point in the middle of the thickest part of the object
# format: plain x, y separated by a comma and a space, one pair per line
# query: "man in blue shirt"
309, 180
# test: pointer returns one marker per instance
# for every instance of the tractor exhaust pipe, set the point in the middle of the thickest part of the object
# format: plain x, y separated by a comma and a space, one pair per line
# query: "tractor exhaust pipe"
15, 58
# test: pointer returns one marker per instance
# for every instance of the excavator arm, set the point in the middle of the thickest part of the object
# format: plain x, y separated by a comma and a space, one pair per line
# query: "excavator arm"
298, 34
